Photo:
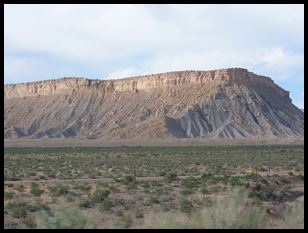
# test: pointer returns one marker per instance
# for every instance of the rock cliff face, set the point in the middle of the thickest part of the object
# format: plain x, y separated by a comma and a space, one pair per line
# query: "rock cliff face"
227, 103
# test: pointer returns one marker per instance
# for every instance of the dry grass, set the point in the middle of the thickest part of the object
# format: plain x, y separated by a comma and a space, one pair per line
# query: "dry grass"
233, 212
201, 197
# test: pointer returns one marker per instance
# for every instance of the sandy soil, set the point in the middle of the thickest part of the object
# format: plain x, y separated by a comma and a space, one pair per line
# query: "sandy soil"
153, 142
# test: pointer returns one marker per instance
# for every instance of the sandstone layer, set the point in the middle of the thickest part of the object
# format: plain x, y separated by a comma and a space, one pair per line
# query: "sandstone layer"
227, 103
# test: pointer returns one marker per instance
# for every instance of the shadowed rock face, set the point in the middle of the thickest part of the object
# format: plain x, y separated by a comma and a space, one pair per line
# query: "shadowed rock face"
228, 103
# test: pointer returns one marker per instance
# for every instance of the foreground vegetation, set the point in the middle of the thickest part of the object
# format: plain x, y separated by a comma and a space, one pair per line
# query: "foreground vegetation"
168, 187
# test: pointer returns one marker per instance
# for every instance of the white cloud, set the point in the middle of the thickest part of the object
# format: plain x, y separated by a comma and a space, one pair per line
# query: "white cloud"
274, 61
267, 39
14, 68
299, 104
129, 72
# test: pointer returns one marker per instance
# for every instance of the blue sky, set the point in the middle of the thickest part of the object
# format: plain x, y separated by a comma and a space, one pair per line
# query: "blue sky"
115, 41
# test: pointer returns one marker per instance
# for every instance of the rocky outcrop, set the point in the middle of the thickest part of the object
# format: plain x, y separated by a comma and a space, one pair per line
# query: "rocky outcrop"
226, 103
143, 83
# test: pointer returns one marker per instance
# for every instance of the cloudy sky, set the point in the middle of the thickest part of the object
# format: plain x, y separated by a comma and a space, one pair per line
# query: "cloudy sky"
115, 41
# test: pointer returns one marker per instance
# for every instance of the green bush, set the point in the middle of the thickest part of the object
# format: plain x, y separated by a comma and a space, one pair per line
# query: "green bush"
62, 190
190, 183
290, 173
162, 173
21, 188
85, 203
52, 175
114, 189
146, 185
58, 190
128, 179
19, 209
208, 202
254, 176
119, 213
164, 206
154, 200
99, 195
235, 181
138, 213
186, 206
209, 178
228, 213
204, 191
171, 177
186, 192
38, 206
83, 187
268, 192
65, 218
206, 176
132, 185
105, 205
70, 196
8, 195
301, 176
35, 190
